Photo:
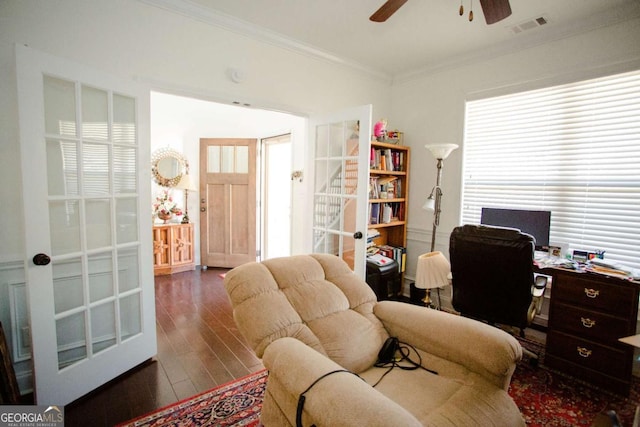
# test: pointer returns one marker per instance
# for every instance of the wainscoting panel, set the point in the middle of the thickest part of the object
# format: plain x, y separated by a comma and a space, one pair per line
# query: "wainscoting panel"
14, 315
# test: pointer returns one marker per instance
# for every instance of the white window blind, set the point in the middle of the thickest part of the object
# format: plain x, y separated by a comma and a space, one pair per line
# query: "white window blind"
572, 149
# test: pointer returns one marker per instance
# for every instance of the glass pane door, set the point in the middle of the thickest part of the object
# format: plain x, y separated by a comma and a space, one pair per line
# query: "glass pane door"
92, 191
84, 140
340, 165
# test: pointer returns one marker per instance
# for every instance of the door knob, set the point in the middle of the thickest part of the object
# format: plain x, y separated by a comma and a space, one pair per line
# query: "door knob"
357, 235
41, 259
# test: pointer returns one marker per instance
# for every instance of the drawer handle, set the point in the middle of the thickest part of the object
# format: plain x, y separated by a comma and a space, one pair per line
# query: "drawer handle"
591, 293
588, 323
583, 352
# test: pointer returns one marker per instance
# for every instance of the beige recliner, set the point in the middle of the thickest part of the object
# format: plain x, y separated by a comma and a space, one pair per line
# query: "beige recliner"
309, 315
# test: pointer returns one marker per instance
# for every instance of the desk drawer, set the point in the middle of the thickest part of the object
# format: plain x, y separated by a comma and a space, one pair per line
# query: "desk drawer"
588, 354
597, 326
592, 293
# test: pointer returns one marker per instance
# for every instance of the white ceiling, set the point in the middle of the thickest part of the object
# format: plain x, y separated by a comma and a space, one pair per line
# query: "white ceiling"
421, 35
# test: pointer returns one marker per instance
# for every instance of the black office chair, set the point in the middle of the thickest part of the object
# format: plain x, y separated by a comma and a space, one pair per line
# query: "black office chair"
492, 276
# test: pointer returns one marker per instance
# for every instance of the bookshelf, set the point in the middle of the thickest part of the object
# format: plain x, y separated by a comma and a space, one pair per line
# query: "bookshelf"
388, 195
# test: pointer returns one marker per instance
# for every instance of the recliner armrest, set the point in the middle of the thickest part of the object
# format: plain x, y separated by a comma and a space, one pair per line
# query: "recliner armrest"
340, 399
479, 347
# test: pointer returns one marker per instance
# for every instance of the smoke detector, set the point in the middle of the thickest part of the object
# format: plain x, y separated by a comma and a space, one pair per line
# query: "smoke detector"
529, 24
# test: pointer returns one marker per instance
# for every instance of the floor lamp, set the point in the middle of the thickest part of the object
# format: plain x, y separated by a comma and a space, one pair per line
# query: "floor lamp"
433, 267
433, 203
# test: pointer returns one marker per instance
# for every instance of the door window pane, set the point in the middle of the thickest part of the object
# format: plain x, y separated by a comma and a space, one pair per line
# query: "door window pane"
124, 119
98, 227
213, 159
336, 139
128, 269
321, 176
62, 168
59, 107
71, 339
126, 220
130, 316
242, 159
100, 276
228, 158
103, 327
64, 224
95, 168
95, 115
322, 138
68, 292
124, 169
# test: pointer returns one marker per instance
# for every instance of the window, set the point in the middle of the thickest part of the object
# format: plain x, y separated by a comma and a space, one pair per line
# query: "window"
572, 149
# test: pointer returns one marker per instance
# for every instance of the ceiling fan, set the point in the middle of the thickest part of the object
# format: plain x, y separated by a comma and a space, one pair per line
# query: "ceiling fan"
494, 10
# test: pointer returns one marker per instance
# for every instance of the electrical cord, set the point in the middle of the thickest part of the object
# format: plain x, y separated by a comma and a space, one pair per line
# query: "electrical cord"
405, 351
302, 397
399, 347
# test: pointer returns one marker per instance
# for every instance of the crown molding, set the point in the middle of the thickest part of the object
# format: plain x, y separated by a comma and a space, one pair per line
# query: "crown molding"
238, 26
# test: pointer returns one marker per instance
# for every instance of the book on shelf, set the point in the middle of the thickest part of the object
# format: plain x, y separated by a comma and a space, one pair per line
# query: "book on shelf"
385, 187
385, 213
386, 159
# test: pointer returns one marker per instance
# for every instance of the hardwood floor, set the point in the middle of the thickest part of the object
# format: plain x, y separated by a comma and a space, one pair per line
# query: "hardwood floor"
199, 348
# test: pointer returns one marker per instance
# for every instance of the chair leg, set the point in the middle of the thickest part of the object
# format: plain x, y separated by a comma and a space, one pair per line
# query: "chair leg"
533, 358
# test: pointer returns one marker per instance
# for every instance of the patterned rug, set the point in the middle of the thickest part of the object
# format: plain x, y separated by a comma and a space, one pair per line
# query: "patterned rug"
234, 404
545, 398
549, 398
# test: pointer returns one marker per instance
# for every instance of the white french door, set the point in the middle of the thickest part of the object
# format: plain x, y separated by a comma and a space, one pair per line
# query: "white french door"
84, 140
340, 185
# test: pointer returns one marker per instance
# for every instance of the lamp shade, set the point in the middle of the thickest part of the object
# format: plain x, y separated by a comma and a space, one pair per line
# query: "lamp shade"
430, 204
433, 271
441, 151
185, 184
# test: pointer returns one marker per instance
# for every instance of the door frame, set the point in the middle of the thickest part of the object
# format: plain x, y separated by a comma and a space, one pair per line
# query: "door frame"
265, 186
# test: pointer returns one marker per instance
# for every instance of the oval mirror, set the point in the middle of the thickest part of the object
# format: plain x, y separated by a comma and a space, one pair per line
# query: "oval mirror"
167, 166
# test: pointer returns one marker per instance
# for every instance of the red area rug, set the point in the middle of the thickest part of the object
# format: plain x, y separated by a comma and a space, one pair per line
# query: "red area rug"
234, 404
545, 398
549, 398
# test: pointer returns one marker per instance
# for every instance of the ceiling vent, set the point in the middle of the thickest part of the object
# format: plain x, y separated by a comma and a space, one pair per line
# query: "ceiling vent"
529, 25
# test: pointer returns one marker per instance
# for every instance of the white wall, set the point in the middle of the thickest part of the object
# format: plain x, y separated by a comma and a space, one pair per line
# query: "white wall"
169, 53
180, 122
430, 109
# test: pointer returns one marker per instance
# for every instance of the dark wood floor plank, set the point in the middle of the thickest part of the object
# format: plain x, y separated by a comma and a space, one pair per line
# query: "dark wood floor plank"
199, 348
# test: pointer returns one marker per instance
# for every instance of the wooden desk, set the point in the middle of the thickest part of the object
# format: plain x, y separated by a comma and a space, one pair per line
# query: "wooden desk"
588, 314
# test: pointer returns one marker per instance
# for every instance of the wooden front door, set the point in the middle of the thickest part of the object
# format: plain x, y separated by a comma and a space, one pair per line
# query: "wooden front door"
228, 201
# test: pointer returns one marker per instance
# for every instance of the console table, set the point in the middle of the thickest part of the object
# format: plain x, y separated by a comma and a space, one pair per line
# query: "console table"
172, 248
588, 313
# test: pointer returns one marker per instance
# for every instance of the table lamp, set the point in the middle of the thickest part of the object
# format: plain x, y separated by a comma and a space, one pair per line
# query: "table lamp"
186, 185
433, 272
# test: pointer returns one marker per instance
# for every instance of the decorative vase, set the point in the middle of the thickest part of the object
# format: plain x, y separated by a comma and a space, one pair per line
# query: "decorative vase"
165, 216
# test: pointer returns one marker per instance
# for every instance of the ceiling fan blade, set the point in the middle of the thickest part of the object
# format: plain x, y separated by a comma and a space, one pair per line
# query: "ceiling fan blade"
386, 10
495, 10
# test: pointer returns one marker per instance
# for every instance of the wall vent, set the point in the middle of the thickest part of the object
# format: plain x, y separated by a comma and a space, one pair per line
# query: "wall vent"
529, 24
